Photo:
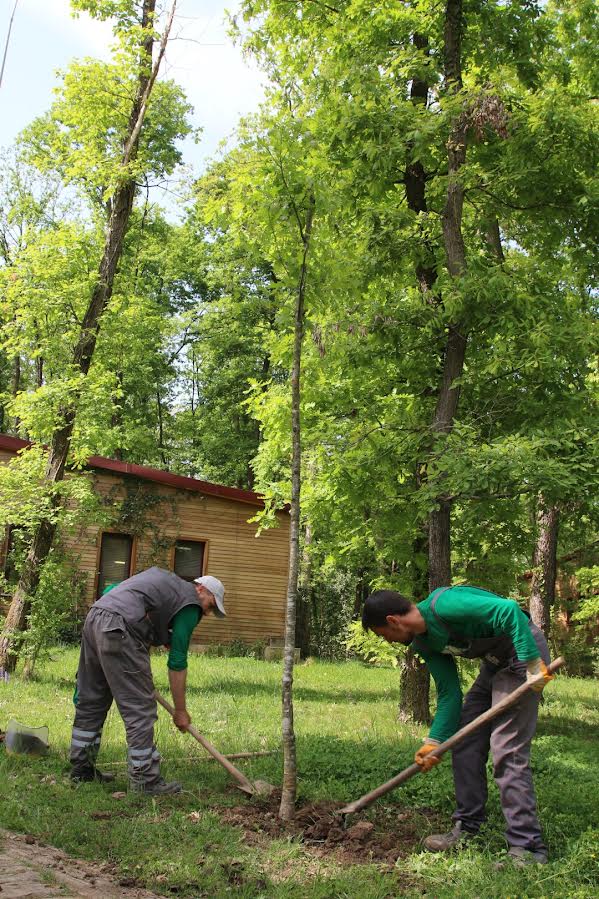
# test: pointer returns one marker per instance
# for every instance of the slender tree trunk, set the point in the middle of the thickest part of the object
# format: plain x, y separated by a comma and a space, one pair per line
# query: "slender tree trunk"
414, 680
544, 562
414, 683
303, 616
116, 419
160, 426
30, 663
455, 258
15, 386
360, 595
288, 794
120, 210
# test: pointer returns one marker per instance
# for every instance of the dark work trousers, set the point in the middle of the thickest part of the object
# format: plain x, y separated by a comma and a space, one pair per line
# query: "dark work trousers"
114, 665
508, 737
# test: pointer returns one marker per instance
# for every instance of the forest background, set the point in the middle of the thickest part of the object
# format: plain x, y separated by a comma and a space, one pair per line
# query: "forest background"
422, 176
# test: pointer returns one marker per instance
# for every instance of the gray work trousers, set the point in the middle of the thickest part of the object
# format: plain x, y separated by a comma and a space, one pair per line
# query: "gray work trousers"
114, 665
509, 738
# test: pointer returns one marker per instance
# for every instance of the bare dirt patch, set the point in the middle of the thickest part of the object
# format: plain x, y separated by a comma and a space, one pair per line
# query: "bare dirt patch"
385, 836
30, 870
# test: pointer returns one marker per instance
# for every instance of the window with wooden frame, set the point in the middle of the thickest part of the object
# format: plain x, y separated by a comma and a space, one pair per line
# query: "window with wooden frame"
188, 560
116, 552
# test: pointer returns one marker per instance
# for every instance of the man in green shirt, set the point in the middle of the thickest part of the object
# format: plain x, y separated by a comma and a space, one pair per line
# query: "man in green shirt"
152, 608
473, 623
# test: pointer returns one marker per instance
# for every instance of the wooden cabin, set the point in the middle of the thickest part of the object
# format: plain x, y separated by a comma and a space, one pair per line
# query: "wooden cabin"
192, 527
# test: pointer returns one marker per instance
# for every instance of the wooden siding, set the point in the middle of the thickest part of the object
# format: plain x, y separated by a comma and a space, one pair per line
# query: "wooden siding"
253, 569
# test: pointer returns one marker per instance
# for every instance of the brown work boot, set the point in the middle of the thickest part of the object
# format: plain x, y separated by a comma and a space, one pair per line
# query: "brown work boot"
441, 842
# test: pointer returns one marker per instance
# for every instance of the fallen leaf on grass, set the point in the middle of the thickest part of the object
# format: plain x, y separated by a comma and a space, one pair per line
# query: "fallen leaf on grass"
159, 819
118, 795
195, 817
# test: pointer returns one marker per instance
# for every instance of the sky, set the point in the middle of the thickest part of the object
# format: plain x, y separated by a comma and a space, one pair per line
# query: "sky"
219, 82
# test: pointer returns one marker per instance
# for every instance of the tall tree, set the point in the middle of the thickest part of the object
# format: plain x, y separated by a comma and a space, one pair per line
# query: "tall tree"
544, 562
463, 165
140, 35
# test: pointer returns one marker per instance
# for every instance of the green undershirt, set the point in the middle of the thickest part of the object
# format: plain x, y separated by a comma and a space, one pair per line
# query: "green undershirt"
183, 623
471, 613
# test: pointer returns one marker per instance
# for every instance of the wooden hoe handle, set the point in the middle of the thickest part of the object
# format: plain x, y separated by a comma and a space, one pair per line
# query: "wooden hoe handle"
241, 779
442, 748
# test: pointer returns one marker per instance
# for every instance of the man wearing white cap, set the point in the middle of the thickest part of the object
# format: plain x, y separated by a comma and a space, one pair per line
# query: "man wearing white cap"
152, 608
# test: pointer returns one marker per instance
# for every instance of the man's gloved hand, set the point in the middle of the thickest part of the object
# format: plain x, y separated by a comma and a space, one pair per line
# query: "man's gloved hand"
423, 758
533, 669
182, 719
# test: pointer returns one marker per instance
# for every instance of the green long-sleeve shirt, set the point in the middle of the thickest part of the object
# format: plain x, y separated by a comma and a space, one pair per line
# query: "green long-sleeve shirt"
472, 613
183, 624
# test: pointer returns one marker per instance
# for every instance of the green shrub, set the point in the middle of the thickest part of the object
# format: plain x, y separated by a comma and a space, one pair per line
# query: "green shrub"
370, 647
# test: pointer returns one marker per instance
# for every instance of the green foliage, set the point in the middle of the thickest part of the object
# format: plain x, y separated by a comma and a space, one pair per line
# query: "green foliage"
57, 609
26, 497
82, 135
588, 580
370, 647
528, 409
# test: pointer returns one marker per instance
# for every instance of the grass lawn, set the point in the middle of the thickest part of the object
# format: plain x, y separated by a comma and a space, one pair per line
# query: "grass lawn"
348, 741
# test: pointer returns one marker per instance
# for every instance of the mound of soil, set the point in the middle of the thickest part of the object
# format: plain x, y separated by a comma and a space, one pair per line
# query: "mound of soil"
386, 835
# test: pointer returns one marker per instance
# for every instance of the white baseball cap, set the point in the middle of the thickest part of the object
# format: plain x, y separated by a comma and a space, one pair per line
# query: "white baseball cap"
217, 589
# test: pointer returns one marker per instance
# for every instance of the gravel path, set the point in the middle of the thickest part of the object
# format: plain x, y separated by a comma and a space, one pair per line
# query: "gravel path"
29, 870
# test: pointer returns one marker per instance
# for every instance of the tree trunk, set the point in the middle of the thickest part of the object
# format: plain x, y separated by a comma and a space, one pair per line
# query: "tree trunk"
15, 386
544, 562
414, 680
116, 419
303, 616
289, 791
414, 683
120, 210
160, 427
455, 255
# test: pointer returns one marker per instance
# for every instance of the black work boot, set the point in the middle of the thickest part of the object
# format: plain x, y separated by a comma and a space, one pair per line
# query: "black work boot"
90, 773
441, 842
155, 787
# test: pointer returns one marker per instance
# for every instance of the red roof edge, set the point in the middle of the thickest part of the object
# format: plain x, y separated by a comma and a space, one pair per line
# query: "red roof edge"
181, 482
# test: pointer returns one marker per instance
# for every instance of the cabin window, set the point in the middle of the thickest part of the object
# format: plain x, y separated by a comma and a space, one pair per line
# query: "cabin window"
189, 559
115, 560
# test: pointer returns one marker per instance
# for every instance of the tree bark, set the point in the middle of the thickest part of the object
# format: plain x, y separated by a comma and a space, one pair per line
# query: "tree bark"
15, 386
160, 426
304, 606
414, 681
544, 562
289, 790
455, 260
118, 220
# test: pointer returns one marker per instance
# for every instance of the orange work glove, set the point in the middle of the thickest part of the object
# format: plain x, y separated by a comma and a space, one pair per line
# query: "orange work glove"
423, 758
533, 669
